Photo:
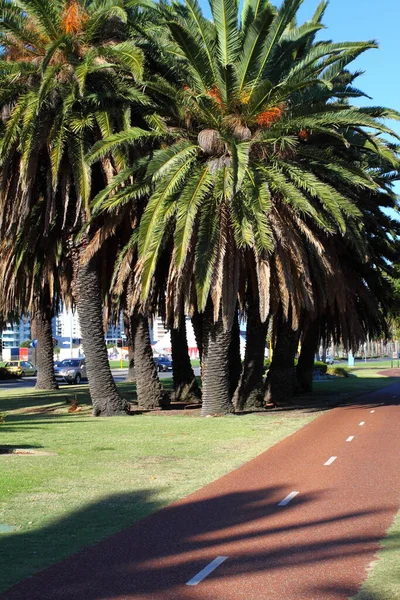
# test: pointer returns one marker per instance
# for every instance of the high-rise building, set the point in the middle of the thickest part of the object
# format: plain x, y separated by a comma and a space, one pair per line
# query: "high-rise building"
66, 329
14, 334
157, 329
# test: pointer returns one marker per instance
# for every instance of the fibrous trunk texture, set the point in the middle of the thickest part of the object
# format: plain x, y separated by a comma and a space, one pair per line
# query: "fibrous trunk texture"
197, 323
41, 326
130, 376
130, 324
280, 384
215, 366
235, 361
103, 392
305, 365
186, 388
249, 394
150, 392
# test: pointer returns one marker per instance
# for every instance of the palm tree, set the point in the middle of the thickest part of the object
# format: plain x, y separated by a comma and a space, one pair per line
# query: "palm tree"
30, 283
150, 392
186, 388
248, 129
129, 327
353, 312
351, 299
68, 78
249, 393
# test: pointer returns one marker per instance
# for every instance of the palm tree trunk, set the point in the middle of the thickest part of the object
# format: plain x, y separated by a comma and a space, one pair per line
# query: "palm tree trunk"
197, 323
280, 384
41, 326
103, 391
305, 365
235, 360
130, 376
250, 391
130, 324
150, 393
215, 366
186, 388
1, 337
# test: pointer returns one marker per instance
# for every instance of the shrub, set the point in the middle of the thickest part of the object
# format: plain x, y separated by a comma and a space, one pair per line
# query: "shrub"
4, 374
318, 364
339, 371
267, 364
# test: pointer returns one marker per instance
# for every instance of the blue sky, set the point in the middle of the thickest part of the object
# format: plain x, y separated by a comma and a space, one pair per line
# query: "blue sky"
360, 20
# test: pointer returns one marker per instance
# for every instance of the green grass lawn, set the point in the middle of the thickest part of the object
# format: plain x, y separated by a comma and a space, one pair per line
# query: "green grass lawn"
116, 364
386, 363
360, 381
102, 475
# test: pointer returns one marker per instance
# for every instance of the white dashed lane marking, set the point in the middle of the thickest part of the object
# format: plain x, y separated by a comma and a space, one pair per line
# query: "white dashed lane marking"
330, 461
288, 498
371, 411
350, 438
207, 570
362, 423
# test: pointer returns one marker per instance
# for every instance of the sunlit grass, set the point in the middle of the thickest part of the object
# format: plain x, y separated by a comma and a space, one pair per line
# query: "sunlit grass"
383, 582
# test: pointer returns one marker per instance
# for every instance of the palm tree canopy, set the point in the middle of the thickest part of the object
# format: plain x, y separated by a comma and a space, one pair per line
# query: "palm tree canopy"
68, 77
258, 142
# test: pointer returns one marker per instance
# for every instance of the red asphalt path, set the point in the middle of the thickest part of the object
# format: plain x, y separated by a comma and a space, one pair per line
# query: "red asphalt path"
318, 547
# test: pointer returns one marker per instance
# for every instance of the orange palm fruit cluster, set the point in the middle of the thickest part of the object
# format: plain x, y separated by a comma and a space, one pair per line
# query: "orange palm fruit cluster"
304, 135
216, 95
74, 17
270, 116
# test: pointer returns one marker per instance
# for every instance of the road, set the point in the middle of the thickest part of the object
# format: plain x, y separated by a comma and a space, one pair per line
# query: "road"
302, 521
30, 382
120, 375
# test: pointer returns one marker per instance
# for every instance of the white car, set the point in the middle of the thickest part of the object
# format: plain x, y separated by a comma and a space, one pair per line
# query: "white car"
329, 360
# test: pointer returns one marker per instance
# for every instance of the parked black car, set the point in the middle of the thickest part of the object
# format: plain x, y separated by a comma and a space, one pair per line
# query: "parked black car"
163, 363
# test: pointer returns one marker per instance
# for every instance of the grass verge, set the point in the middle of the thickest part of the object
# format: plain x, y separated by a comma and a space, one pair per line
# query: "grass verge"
361, 381
383, 582
116, 364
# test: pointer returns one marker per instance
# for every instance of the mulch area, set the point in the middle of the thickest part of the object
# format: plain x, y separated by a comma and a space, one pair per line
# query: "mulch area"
390, 373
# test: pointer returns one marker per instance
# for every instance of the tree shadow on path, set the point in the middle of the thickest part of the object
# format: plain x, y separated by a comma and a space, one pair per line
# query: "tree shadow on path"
161, 553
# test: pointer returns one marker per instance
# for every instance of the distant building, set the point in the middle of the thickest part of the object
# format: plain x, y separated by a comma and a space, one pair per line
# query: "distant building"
66, 330
13, 335
116, 332
157, 330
